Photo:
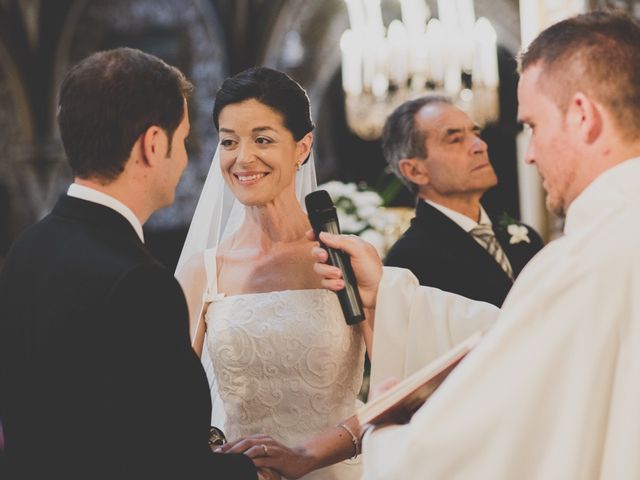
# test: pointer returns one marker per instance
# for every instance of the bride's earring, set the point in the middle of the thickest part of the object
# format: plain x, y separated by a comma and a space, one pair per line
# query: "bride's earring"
298, 165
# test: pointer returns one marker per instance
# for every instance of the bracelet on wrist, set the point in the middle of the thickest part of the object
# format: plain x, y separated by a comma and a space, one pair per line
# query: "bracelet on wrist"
354, 439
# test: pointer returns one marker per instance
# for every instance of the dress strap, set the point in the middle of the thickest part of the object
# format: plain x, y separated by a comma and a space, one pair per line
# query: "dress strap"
211, 270
210, 292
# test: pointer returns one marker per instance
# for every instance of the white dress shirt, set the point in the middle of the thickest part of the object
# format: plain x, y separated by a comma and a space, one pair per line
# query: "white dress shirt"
461, 220
90, 195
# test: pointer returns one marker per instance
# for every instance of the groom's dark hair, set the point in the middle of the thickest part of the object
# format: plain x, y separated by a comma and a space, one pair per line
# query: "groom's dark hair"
108, 100
273, 88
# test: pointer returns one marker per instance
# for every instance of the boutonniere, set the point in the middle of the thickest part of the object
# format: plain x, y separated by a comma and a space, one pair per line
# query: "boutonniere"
517, 232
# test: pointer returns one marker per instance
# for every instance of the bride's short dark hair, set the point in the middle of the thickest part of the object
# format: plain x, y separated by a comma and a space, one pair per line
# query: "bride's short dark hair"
272, 88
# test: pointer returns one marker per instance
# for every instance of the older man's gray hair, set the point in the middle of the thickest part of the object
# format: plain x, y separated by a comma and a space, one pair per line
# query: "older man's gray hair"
401, 138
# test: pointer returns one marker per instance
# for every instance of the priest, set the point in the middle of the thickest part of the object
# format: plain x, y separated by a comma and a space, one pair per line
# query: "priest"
552, 391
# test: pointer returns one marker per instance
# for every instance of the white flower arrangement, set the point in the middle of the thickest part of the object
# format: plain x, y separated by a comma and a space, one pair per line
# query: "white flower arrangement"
361, 212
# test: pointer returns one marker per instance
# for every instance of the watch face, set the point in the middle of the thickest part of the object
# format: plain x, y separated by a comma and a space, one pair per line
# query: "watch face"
216, 437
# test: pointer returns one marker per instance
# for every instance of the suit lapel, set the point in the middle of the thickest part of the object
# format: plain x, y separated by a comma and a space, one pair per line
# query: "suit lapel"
460, 242
430, 218
518, 254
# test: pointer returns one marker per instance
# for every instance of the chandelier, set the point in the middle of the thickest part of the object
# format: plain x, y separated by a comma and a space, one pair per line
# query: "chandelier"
382, 67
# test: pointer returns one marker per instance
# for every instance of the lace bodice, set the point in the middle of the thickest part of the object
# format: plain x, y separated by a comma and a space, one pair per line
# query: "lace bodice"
285, 364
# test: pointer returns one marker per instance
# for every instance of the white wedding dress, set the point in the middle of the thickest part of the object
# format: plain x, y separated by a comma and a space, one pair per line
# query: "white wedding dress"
284, 363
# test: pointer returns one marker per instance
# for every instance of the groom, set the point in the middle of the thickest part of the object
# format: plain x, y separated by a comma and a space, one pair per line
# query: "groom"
97, 375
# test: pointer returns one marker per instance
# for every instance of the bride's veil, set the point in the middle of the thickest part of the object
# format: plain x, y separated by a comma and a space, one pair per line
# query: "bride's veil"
218, 214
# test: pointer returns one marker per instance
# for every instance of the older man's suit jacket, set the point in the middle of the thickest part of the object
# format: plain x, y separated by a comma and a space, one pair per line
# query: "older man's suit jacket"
97, 375
442, 255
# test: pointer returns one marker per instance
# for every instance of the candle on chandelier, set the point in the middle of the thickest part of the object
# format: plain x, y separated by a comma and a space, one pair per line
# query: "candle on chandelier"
466, 16
415, 14
486, 53
435, 42
355, 10
398, 41
351, 63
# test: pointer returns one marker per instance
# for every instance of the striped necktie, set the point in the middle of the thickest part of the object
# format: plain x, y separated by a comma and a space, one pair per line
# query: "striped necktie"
484, 234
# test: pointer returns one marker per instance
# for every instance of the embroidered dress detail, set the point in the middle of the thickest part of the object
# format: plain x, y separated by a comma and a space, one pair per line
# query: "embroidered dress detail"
285, 364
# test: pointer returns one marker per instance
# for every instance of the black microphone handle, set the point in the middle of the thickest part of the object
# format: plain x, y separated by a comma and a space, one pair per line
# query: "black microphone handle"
349, 296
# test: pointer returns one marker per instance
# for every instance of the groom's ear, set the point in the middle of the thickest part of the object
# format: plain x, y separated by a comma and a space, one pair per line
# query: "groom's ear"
154, 143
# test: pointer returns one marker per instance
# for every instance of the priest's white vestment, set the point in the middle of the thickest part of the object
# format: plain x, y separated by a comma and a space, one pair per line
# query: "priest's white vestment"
553, 390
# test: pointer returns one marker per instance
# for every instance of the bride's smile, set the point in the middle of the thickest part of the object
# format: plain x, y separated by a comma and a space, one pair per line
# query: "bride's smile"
248, 178
258, 153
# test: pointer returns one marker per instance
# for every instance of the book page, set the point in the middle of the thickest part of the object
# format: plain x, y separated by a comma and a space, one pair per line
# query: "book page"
398, 404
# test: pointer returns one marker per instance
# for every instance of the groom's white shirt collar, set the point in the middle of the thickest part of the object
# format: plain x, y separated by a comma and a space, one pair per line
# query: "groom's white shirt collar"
91, 195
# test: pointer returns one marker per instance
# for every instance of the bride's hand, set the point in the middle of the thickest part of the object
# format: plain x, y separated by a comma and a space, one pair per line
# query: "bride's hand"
268, 474
265, 452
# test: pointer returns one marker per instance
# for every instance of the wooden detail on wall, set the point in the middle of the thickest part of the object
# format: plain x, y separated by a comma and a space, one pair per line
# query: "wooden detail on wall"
30, 10
186, 34
17, 207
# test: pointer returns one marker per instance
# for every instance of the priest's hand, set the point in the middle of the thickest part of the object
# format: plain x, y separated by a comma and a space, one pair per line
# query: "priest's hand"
400, 417
379, 388
365, 262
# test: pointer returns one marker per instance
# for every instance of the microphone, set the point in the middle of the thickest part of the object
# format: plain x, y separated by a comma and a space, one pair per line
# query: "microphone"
324, 218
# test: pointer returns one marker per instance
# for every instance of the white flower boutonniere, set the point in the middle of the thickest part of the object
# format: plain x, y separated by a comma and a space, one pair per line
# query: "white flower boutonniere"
519, 233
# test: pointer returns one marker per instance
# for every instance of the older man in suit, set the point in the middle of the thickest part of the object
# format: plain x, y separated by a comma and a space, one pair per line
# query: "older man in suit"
452, 244
97, 373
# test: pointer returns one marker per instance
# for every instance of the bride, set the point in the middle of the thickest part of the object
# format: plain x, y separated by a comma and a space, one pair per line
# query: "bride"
280, 358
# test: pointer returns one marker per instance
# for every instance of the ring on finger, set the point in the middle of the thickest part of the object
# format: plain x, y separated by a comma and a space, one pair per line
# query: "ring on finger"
266, 450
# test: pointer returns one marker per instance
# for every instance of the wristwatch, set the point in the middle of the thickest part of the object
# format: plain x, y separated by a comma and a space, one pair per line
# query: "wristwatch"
216, 437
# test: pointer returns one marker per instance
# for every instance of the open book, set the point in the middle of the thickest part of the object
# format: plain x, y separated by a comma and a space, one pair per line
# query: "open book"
398, 404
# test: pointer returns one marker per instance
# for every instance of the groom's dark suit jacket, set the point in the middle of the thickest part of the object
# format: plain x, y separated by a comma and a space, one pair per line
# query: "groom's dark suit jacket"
442, 255
97, 375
